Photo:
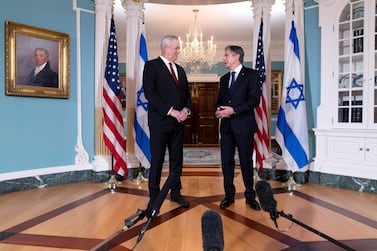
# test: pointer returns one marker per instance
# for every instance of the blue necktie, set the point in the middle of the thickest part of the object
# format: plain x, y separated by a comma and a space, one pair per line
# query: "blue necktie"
233, 79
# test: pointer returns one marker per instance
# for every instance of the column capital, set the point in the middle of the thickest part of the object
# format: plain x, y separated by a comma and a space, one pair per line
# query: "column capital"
103, 5
298, 5
134, 7
262, 3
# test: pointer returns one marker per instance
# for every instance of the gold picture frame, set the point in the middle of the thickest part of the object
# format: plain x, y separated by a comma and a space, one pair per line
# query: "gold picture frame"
24, 47
123, 89
276, 80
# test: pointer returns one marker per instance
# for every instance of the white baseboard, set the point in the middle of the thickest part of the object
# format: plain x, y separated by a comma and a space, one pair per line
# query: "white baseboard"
44, 171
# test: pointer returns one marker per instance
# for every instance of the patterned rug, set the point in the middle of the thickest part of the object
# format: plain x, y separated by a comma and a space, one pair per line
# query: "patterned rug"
201, 156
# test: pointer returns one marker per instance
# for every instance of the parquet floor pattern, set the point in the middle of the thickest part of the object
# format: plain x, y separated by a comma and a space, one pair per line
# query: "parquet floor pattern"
80, 216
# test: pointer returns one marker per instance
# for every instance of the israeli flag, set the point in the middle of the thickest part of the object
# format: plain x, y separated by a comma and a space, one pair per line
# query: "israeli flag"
141, 133
291, 129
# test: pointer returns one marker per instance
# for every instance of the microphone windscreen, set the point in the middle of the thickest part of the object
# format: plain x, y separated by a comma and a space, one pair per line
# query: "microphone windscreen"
212, 231
265, 196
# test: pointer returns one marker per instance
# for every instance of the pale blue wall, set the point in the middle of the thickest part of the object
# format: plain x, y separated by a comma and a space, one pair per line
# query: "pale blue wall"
41, 132
312, 71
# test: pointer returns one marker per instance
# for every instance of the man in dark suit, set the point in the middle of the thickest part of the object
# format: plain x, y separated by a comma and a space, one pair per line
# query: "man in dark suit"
42, 74
239, 94
167, 90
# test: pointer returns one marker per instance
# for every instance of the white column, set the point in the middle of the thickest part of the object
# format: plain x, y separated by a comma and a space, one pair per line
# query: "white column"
134, 15
262, 11
103, 17
82, 156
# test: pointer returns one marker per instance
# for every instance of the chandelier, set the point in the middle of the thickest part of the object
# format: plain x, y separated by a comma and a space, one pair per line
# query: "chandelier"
195, 56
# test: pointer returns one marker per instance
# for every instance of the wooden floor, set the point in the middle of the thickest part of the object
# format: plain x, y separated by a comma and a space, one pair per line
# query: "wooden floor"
82, 215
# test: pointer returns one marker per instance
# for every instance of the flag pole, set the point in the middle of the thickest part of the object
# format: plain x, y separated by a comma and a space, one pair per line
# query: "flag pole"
112, 182
291, 184
141, 130
261, 138
257, 168
113, 129
291, 127
140, 177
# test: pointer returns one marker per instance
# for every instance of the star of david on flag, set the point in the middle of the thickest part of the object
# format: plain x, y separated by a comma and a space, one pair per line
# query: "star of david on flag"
295, 93
141, 129
141, 100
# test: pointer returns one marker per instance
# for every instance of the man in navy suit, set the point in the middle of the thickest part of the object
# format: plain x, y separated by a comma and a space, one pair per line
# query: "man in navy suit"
238, 95
167, 90
42, 74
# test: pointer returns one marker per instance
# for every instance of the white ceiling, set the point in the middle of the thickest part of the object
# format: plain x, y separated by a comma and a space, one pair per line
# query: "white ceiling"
226, 20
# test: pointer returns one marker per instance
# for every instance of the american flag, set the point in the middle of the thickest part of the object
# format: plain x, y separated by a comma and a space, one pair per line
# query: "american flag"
262, 137
113, 128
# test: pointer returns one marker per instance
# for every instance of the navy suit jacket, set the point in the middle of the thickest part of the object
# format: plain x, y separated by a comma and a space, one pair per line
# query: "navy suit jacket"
244, 97
162, 92
46, 77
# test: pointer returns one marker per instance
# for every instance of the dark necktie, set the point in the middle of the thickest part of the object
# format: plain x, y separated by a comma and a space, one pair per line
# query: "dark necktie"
173, 73
233, 79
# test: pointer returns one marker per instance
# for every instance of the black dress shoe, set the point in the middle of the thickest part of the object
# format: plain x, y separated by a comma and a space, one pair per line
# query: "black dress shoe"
181, 201
253, 204
226, 202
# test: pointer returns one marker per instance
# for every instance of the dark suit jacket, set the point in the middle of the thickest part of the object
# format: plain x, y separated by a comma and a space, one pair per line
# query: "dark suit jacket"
46, 77
162, 92
244, 97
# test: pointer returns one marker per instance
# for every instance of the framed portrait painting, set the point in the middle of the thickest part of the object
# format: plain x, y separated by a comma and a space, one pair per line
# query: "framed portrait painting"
37, 61
276, 82
123, 89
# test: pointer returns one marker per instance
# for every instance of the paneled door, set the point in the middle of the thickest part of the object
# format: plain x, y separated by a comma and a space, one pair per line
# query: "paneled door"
202, 127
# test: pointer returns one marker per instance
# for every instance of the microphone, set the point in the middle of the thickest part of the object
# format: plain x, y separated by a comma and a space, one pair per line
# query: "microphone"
212, 231
268, 203
266, 199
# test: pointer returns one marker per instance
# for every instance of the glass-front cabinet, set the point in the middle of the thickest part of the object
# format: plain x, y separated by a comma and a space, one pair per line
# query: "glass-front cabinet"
357, 82
346, 131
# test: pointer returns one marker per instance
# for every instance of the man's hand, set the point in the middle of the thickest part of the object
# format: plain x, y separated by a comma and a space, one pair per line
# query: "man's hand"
180, 116
224, 112
183, 115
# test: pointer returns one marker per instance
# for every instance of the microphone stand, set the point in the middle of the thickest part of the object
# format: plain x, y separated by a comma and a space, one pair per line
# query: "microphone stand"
275, 214
129, 222
150, 213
